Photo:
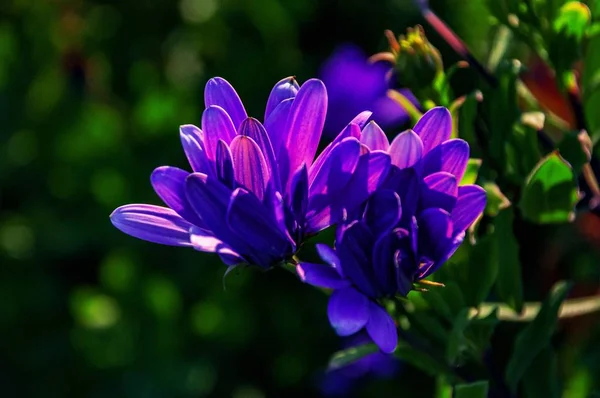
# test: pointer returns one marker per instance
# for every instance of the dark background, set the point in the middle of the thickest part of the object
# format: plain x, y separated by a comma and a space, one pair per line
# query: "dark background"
91, 97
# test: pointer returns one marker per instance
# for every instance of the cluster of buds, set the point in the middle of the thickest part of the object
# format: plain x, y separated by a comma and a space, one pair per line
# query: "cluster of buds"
416, 60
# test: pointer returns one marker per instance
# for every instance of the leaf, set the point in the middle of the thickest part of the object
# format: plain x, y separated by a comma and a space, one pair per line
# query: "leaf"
421, 360
457, 341
496, 200
480, 330
570, 148
541, 379
478, 389
536, 335
482, 270
471, 172
349, 355
550, 192
509, 287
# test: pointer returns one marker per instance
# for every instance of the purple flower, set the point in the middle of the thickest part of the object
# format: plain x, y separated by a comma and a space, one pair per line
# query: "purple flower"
355, 85
256, 191
406, 231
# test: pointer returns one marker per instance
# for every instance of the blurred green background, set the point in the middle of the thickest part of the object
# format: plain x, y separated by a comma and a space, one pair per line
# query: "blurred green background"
91, 97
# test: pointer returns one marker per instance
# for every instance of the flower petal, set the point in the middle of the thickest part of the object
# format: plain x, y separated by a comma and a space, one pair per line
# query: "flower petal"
361, 119
435, 233
434, 127
152, 223
381, 328
224, 165
255, 130
299, 195
337, 168
439, 190
406, 183
249, 219
276, 123
354, 251
351, 130
406, 149
470, 203
192, 141
321, 276
249, 165
383, 262
328, 255
383, 211
451, 156
216, 125
304, 128
283, 89
210, 199
348, 311
219, 92
374, 137
204, 241
169, 185
370, 173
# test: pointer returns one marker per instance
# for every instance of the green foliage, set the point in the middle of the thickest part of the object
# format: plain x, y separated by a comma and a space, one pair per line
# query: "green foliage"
534, 338
550, 191
477, 389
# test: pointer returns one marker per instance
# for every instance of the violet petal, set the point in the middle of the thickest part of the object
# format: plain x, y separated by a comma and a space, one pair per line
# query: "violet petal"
224, 165
283, 89
216, 125
434, 127
321, 276
248, 218
304, 128
169, 184
348, 311
276, 124
406, 149
152, 223
470, 203
439, 190
374, 137
383, 211
219, 92
381, 328
451, 156
255, 130
192, 143
249, 165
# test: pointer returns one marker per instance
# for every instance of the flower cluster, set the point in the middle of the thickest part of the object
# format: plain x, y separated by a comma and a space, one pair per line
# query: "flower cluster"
257, 191
407, 230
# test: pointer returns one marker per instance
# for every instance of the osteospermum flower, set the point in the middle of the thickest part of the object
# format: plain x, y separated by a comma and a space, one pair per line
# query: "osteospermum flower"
255, 191
406, 231
354, 84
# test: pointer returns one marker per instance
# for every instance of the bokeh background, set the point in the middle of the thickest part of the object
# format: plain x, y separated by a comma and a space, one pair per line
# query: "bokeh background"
91, 97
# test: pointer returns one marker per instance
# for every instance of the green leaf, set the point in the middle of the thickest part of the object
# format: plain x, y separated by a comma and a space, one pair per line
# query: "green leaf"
478, 389
457, 343
571, 150
572, 19
541, 379
536, 335
480, 331
508, 281
422, 361
550, 192
471, 172
349, 355
482, 270
496, 200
